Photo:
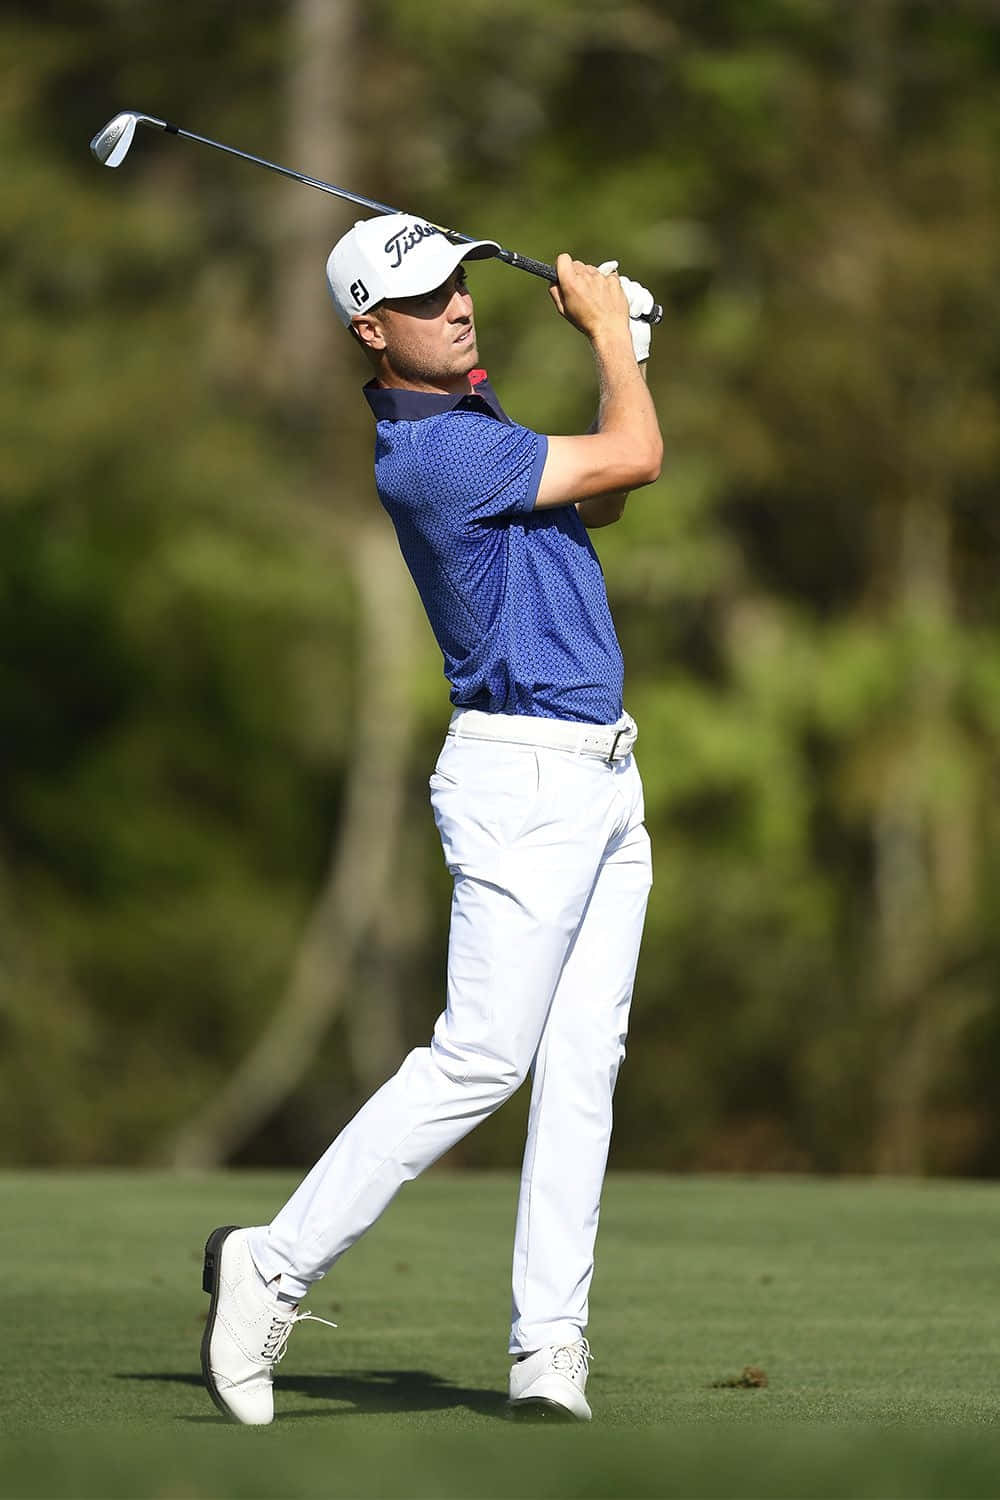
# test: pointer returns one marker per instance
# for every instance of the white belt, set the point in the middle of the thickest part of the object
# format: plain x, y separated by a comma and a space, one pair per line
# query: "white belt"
610, 742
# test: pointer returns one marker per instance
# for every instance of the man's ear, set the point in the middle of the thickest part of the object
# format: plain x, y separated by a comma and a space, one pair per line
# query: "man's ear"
369, 332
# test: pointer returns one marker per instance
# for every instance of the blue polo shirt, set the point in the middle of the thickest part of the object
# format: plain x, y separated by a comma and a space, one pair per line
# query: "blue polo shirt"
515, 596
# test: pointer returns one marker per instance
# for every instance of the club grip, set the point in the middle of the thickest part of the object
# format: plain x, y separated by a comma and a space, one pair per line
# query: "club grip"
548, 273
534, 267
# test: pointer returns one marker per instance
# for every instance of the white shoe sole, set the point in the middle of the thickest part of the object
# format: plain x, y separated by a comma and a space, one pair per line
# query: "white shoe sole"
541, 1409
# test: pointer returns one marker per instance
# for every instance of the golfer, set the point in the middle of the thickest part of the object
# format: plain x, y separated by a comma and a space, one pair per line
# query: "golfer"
537, 800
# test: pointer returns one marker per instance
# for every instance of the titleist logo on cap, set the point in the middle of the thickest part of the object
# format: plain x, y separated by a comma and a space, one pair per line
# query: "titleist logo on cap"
405, 240
381, 258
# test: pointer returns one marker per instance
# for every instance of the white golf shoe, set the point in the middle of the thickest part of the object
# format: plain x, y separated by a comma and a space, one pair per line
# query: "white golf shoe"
550, 1384
246, 1332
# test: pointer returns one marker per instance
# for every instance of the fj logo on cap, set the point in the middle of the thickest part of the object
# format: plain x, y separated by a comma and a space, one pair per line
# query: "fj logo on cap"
360, 292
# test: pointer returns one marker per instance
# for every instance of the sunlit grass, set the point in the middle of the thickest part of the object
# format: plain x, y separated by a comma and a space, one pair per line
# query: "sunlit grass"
869, 1306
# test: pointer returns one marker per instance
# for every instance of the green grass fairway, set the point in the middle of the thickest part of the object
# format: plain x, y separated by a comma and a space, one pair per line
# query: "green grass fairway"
872, 1307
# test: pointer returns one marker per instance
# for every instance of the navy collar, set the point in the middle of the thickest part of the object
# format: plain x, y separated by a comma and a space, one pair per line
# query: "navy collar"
398, 404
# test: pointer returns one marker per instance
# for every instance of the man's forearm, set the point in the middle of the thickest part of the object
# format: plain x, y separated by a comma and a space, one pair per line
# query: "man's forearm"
626, 413
605, 510
626, 450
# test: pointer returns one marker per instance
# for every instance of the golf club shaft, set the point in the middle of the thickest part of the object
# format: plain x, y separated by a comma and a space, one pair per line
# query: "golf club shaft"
510, 257
524, 262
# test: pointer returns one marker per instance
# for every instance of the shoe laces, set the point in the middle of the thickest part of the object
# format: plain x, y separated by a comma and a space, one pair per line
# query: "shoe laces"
572, 1359
273, 1350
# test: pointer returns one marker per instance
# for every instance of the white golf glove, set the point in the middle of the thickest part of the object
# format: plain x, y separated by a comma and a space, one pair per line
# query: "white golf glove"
640, 301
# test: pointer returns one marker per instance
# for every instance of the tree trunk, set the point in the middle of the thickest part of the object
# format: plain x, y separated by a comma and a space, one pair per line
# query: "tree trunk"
347, 910
319, 376
313, 354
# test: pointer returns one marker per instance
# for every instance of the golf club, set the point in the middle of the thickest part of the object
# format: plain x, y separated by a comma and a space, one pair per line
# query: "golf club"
111, 145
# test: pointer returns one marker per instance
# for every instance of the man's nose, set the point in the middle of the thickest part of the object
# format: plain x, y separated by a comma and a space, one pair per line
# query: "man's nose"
460, 305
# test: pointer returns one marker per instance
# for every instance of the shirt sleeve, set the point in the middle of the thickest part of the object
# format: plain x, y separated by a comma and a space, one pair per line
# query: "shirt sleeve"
476, 469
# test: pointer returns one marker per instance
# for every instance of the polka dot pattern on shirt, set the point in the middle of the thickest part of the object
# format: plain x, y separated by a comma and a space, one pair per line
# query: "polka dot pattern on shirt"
515, 597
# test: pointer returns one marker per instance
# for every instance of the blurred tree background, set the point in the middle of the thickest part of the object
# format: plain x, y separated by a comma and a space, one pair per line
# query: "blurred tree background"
222, 902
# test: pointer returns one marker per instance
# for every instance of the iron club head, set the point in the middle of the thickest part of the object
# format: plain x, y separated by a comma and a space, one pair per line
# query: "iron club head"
111, 143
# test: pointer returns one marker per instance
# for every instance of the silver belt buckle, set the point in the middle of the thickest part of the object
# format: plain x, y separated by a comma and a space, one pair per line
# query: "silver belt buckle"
614, 746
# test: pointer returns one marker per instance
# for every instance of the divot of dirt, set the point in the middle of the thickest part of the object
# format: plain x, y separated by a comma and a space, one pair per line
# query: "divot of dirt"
750, 1378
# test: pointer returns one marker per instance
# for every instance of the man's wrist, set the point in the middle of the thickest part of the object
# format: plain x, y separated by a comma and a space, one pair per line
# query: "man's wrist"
612, 340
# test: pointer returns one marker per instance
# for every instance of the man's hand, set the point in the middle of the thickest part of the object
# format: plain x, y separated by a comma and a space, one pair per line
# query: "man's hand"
592, 301
626, 450
640, 301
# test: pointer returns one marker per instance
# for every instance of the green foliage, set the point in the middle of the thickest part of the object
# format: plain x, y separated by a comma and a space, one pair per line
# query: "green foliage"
807, 600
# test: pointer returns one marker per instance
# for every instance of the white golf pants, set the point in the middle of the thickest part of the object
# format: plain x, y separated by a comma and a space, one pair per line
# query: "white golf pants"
551, 866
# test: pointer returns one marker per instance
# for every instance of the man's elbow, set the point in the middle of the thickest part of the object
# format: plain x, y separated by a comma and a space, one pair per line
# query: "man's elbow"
638, 463
650, 465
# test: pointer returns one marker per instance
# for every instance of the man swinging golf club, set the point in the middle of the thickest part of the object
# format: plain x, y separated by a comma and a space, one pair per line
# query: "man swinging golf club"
536, 797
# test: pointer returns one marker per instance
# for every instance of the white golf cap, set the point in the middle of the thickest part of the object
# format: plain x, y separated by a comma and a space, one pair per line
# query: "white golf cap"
394, 255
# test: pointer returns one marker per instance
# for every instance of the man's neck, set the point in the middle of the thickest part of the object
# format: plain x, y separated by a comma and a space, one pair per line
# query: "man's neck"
456, 385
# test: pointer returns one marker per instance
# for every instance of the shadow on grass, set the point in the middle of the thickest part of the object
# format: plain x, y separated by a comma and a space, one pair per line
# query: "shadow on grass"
372, 1391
